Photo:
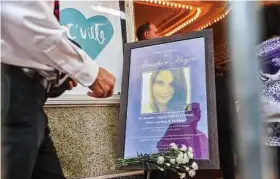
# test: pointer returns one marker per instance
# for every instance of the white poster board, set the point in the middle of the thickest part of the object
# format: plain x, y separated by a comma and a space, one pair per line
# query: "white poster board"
96, 27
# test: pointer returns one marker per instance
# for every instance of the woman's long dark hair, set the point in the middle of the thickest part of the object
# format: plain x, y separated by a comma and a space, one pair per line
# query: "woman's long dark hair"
179, 98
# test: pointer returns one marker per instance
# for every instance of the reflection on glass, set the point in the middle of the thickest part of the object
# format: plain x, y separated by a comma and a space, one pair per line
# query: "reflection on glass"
187, 133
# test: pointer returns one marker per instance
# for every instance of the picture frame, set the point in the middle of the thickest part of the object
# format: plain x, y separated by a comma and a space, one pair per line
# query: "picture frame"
132, 123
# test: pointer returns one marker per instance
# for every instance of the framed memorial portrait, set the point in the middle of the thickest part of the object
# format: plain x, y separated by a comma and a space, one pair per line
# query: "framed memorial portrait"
168, 96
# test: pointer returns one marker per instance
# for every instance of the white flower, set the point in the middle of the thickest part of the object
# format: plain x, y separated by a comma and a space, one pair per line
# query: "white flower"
190, 154
181, 154
187, 168
182, 175
174, 146
194, 166
172, 161
160, 160
167, 164
192, 173
179, 160
184, 148
186, 159
190, 149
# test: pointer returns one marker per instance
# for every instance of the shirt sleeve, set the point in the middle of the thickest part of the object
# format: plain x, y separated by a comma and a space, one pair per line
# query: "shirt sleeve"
33, 28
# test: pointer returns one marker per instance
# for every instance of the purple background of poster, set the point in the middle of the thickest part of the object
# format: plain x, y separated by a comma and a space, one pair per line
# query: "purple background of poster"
189, 48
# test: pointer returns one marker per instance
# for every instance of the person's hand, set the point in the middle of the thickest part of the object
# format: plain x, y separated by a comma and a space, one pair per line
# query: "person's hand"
103, 86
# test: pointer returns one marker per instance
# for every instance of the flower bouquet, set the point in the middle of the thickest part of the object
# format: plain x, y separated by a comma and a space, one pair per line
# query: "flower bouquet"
179, 160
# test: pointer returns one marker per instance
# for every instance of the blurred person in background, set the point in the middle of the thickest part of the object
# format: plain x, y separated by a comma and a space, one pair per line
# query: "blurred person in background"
268, 52
147, 31
38, 61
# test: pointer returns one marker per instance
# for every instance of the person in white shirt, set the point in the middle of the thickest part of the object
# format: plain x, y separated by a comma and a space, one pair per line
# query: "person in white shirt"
34, 47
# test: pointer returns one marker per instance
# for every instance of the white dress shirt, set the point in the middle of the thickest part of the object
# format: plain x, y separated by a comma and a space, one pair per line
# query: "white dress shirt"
32, 37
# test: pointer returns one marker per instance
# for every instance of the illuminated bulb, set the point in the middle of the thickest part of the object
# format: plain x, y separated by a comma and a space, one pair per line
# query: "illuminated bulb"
167, 3
190, 8
159, 2
171, 4
184, 6
187, 7
163, 3
151, 0
179, 6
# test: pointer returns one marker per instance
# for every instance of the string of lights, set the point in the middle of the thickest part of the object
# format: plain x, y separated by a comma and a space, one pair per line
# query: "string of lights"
177, 5
189, 21
214, 21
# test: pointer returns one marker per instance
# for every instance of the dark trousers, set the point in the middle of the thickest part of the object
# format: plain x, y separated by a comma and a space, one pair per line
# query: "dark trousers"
27, 150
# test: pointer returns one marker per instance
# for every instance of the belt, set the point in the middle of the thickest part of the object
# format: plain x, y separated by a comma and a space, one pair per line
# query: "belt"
34, 74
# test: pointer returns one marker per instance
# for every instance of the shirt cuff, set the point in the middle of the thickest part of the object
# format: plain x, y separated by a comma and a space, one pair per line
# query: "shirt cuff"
87, 74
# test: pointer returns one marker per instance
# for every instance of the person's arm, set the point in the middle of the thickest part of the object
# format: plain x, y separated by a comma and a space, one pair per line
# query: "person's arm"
31, 27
